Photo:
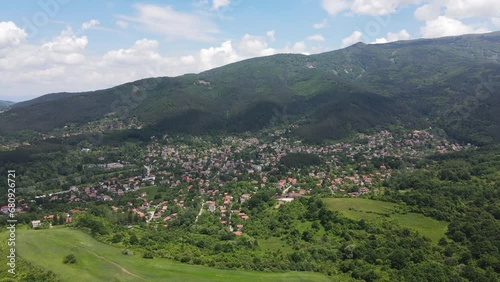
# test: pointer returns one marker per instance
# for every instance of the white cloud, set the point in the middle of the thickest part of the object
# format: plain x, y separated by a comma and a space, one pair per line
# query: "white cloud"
445, 26
316, 37
188, 60
66, 43
299, 47
428, 11
217, 56
143, 50
322, 24
461, 9
11, 35
391, 37
253, 46
355, 37
217, 4
365, 7
90, 24
122, 24
173, 24
333, 7
379, 7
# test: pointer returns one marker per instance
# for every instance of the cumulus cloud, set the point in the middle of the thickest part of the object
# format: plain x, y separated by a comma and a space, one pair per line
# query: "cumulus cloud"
173, 24
142, 51
322, 24
11, 35
445, 17
333, 7
355, 37
445, 26
253, 46
90, 24
217, 4
66, 43
391, 37
316, 37
461, 9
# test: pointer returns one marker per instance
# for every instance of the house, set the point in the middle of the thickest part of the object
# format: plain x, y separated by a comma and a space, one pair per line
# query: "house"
238, 233
211, 206
4, 209
36, 223
244, 198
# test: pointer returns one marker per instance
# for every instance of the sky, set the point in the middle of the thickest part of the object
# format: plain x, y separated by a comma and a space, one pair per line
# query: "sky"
49, 46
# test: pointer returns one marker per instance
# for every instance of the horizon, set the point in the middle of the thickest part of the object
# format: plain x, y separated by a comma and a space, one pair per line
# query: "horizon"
64, 46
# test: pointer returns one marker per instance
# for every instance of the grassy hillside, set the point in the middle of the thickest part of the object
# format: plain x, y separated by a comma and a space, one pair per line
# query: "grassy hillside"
357, 208
100, 262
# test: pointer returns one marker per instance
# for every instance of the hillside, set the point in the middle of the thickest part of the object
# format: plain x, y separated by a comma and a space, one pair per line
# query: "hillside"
446, 82
101, 262
5, 104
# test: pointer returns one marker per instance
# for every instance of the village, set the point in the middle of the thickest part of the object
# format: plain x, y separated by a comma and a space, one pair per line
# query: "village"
219, 179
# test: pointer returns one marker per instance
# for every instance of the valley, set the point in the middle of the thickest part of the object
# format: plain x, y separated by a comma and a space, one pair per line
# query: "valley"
375, 162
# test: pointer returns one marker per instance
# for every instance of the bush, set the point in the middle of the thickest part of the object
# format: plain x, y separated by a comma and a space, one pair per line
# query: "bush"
148, 255
128, 252
69, 259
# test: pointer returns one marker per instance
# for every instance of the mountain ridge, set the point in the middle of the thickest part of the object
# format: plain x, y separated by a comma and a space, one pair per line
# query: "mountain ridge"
332, 94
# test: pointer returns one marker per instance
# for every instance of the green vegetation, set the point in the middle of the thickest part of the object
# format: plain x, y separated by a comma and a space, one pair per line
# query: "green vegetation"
438, 82
462, 188
101, 262
358, 208
298, 160
69, 259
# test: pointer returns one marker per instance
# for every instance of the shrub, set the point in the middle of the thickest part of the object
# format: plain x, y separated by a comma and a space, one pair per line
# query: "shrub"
69, 259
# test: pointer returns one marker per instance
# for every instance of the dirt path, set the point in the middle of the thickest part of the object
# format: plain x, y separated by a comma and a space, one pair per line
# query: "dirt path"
116, 264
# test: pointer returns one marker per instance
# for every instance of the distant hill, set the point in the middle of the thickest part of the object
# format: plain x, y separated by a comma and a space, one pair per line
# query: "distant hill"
447, 82
5, 104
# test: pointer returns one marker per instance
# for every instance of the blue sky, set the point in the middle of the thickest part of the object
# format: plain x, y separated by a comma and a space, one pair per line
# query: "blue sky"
69, 45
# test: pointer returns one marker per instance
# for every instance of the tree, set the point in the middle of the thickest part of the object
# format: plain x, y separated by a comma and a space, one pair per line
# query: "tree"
69, 259
133, 240
399, 259
62, 219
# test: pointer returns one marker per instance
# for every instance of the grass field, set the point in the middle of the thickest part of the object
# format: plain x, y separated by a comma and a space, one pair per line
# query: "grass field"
357, 208
100, 262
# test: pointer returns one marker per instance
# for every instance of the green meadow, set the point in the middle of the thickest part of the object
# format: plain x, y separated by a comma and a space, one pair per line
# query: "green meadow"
358, 208
97, 261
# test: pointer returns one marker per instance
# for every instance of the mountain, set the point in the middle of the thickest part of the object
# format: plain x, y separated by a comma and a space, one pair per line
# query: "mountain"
5, 104
449, 82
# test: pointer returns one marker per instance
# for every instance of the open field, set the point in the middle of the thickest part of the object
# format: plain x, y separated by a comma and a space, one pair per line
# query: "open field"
357, 208
100, 262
